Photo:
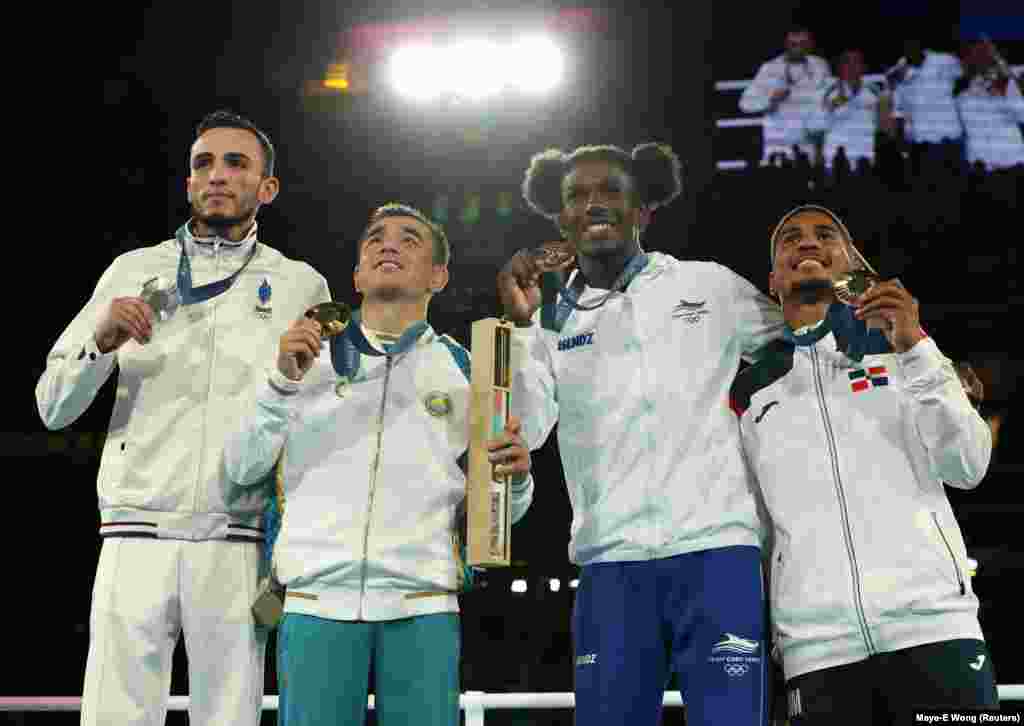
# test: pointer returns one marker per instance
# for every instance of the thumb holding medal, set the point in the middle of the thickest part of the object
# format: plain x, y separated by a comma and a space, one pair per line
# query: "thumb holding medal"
519, 279
127, 318
891, 307
301, 343
299, 348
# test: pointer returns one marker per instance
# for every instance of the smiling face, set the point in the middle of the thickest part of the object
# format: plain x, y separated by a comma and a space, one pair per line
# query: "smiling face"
599, 208
810, 254
226, 184
396, 260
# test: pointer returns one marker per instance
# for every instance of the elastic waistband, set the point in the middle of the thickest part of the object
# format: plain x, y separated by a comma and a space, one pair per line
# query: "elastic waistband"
124, 522
731, 535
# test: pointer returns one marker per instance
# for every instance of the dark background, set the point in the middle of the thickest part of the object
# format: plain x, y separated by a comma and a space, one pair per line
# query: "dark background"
632, 76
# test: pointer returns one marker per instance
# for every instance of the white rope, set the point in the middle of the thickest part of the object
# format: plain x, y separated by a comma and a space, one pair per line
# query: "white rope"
473, 702
753, 121
870, 78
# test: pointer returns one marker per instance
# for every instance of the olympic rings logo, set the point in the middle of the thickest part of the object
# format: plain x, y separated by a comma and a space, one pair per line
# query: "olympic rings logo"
736, 669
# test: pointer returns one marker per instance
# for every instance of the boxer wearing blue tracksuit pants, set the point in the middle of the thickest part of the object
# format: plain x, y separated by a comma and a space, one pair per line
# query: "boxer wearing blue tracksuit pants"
633, 359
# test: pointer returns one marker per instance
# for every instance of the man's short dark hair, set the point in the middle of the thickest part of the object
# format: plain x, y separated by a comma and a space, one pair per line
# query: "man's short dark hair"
441, 248
226, 119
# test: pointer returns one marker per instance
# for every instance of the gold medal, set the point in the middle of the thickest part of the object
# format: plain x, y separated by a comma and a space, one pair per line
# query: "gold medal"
333, 317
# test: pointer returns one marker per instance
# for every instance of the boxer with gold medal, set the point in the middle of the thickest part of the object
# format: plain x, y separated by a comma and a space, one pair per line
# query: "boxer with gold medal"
367, 412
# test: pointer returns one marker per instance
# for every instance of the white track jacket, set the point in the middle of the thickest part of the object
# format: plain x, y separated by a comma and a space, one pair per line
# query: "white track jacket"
851, 459
178, 397
370, 478
640, 390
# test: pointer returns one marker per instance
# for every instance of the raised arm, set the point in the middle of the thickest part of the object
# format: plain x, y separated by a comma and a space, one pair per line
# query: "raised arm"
85, 354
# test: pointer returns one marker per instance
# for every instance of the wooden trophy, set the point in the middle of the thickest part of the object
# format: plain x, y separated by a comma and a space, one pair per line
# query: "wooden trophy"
488, 516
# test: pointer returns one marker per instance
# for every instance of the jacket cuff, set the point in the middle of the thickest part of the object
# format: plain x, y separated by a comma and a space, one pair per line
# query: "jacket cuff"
281, 384
520, 498
923, 359
518, 487
90, 352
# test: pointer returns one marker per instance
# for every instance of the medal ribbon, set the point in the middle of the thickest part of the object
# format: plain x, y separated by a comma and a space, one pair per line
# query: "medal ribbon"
190, 295
347, 347
555, 312
853, 337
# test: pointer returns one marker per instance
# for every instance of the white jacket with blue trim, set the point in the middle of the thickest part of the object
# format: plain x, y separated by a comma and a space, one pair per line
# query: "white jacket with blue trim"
850, 459
371, 480
178, 397
640, 388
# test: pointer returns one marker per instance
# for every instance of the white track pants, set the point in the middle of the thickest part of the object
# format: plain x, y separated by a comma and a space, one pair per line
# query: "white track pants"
147, 592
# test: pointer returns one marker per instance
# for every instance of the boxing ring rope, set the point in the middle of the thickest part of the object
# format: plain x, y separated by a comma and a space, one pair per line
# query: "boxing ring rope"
474, 703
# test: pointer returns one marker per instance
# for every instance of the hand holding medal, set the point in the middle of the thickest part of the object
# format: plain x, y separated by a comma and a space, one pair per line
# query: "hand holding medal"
882, 304
301, 344
519, 280
133, 318
333, 318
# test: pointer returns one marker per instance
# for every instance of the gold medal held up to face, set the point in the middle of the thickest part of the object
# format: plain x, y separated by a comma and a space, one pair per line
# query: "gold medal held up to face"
333, 317
854, 284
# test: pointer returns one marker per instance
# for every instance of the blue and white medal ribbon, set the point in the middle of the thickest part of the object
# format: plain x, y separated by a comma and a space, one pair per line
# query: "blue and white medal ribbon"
347, 347
190, 295
559, 301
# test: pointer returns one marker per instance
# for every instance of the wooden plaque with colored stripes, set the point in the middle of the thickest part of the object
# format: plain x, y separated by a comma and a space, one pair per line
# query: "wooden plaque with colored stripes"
488, 518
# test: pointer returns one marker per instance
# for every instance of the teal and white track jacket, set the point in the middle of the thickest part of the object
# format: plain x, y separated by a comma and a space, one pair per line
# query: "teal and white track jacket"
371, 480
850, 459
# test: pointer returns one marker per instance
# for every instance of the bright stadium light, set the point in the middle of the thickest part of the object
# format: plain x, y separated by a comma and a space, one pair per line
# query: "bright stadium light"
475, 69
574, 583
416, 72
555, 584
519, 586
540, 64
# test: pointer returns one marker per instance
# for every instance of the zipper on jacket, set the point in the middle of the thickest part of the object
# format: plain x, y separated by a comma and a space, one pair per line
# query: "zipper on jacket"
956, 567
858, 601
209, 392
373, 486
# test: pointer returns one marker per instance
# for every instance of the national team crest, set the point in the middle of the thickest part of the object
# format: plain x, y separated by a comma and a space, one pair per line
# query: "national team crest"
263, 308
873, 377
438, 403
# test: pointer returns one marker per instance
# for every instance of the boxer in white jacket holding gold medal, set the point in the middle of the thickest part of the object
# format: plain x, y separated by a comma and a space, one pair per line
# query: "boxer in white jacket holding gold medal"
369, 429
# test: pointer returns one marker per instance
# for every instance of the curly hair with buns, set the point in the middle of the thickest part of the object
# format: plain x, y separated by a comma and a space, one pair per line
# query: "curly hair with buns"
654, 168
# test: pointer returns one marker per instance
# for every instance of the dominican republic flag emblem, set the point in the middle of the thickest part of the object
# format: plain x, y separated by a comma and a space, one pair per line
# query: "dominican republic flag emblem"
861, 380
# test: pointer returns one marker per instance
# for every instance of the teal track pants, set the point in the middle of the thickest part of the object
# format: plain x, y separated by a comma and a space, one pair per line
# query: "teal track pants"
324, 668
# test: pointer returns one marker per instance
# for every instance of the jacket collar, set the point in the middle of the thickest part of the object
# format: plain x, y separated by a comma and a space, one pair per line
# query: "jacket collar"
211, 245
853, 338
